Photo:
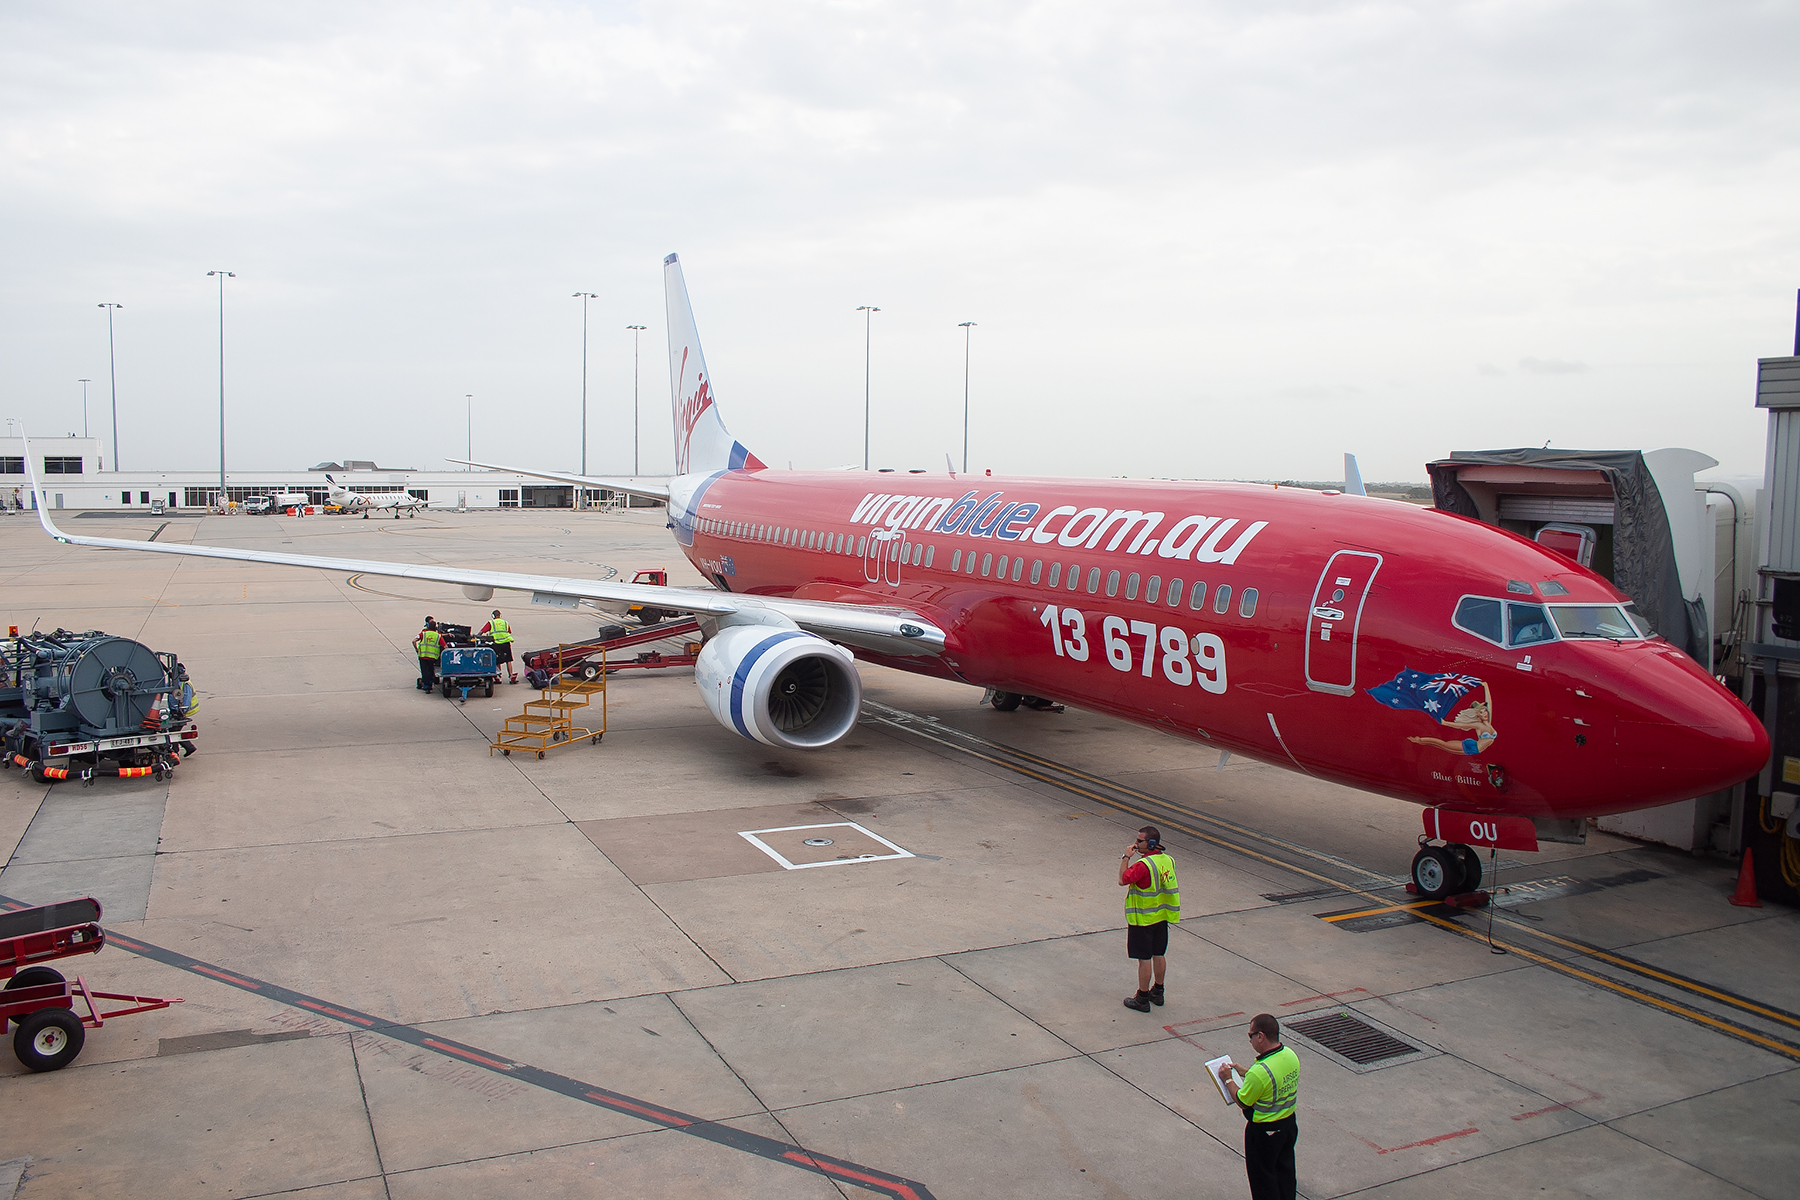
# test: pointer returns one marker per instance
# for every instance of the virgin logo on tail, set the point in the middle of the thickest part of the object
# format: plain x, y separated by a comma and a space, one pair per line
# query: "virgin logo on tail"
687, 412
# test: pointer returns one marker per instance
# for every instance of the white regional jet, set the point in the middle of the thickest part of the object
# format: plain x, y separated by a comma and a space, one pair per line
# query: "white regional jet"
399, 500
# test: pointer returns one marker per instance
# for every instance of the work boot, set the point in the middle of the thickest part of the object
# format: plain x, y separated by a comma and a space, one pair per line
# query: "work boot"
1156, 995
1138, 1003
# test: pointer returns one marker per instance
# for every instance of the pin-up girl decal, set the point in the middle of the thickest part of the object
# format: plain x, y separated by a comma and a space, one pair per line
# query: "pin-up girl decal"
1435, 695
1477, 720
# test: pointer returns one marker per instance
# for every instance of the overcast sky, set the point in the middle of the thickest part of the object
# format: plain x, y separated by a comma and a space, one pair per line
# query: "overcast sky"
1225, 240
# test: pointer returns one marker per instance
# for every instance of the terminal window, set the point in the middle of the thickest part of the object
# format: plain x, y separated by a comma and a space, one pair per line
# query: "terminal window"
10, 465
62, 465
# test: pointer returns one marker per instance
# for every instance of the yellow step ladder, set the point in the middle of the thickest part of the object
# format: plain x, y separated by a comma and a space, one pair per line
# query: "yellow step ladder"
549, 722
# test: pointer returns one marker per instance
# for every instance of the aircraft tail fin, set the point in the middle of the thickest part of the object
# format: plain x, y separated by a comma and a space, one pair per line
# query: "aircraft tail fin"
1353, 484
702, 443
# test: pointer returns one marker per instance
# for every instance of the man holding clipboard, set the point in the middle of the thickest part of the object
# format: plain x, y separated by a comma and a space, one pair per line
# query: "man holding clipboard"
1269, 1094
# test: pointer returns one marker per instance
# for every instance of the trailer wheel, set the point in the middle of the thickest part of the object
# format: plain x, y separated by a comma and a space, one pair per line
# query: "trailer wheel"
589, 671
48, 1039
506, 754
595, 740
540, 756
490, 689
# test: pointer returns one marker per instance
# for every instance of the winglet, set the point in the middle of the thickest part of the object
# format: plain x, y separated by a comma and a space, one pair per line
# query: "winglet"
1353, 484
37, 491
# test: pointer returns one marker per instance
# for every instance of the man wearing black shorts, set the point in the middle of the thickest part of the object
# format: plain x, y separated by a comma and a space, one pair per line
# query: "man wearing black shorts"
1152, 904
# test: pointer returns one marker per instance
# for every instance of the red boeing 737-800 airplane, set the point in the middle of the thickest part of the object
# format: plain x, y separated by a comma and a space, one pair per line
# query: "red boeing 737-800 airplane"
1407, 651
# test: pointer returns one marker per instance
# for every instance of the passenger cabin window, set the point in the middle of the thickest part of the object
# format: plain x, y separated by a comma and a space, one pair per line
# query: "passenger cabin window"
1018, 569
1481, 617
1529, 624
1153, 589
987, 561
1074, 576
1222, 598
1247, 605
1131, 586
956, 561
1055, 574
1094, 580
1175, 586
1197, 601
1037, 571
1112, 583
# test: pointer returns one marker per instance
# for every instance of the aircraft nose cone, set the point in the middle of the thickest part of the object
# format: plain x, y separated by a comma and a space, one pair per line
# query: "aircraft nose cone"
1687, 736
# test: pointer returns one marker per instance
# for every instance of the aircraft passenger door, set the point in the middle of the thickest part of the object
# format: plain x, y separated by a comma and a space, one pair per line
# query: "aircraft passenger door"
1334, 620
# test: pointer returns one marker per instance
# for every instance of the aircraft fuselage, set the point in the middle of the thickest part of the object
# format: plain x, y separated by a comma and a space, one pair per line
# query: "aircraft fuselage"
1392, 648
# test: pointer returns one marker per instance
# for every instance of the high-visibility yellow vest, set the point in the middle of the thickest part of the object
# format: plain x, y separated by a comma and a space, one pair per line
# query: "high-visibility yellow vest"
431, 644
1161, 901
501, 630
1271, 1088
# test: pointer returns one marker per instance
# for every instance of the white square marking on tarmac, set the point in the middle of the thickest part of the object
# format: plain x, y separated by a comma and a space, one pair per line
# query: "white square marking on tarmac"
839, 851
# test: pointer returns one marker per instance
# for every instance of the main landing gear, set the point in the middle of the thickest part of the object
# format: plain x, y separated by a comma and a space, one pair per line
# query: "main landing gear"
1010, 701
1444, 870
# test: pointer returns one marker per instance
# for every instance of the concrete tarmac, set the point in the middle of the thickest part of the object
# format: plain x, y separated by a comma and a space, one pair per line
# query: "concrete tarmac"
415, 969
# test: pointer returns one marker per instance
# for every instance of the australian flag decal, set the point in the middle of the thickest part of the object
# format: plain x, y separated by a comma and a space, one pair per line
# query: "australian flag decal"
727, 566
1431, 694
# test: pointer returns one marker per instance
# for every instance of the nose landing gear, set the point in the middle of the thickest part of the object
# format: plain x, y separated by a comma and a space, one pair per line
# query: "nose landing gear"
1452, 869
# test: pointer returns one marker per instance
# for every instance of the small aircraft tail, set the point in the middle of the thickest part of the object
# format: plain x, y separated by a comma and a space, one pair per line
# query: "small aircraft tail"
1353, 484
702, 443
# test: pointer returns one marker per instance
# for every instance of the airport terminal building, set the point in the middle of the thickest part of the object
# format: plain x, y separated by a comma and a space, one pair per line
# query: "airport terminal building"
74, 475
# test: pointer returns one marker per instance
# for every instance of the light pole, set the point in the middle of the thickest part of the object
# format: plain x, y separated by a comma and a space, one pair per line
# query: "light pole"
84, 383
868, 311
469, 419
967, 327
636, 332
223, 276
113, 370
584, 297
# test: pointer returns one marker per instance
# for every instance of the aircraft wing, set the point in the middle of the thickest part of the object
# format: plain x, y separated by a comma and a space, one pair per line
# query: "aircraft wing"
886, 630
636, 485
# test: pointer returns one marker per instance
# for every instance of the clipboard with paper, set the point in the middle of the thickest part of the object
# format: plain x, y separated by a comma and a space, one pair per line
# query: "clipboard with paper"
1212, 1073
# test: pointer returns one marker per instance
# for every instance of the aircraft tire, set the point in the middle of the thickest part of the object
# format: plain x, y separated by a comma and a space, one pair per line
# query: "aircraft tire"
1006, 701
1470, 858
1437, 872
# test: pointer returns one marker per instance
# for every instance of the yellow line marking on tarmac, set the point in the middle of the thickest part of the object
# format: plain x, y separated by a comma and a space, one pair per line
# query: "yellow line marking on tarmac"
1775, 1045
1371, 912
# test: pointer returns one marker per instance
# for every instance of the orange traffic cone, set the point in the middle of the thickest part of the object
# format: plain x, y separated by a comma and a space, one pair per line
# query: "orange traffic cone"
1745, 896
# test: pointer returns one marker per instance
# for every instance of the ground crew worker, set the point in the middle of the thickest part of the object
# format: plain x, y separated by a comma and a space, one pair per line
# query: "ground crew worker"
502, 635
1269, 1096
1152, 904
429, 644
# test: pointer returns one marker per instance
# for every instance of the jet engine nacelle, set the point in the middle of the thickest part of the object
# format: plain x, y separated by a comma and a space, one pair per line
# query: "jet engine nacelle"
779, 685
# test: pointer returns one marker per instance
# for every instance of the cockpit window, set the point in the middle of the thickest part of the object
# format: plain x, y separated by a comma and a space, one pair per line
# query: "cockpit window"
1638, 620
1481, 617
1529, 624
1593, 621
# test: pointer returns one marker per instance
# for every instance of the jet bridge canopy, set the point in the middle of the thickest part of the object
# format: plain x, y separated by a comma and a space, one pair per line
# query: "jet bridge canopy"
1613, 490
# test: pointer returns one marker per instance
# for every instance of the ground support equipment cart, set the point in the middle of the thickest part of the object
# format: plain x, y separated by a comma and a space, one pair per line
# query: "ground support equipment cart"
37, 999
465, 668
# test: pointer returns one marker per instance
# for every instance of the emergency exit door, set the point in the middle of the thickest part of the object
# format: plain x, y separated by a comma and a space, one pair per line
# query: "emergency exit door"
1335, 619
881, 562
